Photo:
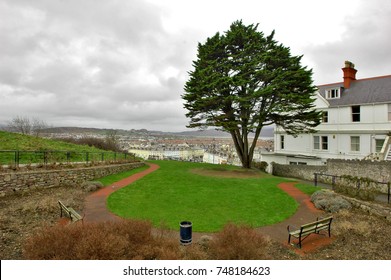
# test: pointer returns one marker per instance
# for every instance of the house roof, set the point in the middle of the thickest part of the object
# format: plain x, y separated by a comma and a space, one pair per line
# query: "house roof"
363, 91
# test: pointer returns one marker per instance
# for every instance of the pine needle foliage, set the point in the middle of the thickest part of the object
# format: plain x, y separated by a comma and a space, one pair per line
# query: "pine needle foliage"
242, 81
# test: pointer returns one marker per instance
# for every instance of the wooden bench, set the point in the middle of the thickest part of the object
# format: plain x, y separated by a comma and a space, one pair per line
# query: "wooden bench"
70, 212
314, 227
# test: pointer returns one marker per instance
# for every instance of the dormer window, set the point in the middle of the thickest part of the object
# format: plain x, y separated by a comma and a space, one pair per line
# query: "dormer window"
333, 93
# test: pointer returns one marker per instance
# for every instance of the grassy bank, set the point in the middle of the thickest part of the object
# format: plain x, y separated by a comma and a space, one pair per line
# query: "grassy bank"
32, 150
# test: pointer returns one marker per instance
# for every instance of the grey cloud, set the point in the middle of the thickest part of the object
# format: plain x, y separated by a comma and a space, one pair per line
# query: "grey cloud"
365, 42
89, 63
112, 63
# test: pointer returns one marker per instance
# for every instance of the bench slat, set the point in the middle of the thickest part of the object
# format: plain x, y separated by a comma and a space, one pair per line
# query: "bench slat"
70, 212
309, 228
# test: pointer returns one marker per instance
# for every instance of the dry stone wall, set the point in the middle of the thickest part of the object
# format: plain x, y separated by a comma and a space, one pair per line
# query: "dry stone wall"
305, 172
22, 181
374, 170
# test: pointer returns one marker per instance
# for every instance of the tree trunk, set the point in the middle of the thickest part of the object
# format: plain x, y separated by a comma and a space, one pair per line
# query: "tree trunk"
242, 148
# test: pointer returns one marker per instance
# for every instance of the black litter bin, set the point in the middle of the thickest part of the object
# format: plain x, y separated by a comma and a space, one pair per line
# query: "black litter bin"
186, 232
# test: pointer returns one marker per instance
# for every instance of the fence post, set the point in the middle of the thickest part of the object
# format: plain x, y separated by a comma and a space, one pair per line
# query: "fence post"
315, 179
45, 158
389, 192
87, 154
17, 158
333, 182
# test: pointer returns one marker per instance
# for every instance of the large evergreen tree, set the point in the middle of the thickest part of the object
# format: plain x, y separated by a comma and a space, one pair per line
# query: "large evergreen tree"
243, 81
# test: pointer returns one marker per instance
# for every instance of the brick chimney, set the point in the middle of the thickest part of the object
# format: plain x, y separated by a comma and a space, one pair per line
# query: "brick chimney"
349, 74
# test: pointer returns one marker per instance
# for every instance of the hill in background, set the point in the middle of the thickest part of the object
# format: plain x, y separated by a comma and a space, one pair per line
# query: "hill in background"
267, 132
16, 141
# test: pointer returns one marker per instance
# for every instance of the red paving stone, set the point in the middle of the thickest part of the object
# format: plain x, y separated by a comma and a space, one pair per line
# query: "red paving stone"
96, 211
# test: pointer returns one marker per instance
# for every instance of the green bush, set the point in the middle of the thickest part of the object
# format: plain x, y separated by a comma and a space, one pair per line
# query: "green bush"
260, 165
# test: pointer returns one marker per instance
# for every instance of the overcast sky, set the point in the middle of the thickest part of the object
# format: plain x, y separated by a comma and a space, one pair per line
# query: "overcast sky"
123, 63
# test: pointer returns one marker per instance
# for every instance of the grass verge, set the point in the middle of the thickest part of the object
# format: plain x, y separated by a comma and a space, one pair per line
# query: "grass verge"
307, 188
108, 180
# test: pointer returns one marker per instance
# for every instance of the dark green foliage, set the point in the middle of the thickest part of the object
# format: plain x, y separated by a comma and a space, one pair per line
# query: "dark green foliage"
243, 81
260, 165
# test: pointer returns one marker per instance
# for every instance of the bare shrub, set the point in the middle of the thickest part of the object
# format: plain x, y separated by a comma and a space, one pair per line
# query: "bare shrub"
195, 252
127, 239
46, 205
91, 186
238, 243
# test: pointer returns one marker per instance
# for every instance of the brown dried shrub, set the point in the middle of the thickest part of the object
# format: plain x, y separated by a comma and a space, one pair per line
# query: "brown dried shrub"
109, 240
239, 243
127, 239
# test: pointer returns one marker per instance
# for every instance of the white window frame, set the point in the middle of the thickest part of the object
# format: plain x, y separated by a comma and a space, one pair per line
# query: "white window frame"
316, 142
282, 142
325, 116
324, 142
320, 143
355, 147
378, 147
356, 116
333, 93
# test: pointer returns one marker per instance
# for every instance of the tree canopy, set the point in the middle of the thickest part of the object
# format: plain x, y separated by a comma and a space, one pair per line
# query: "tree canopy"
242, 81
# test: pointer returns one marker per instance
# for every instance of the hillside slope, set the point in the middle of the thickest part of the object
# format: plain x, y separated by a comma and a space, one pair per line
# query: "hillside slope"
15, 141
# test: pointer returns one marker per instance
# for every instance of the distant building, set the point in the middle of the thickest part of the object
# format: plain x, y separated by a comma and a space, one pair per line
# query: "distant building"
168, 153
356, 123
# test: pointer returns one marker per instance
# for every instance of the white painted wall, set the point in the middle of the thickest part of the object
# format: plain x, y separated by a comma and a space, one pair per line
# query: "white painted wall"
374, 124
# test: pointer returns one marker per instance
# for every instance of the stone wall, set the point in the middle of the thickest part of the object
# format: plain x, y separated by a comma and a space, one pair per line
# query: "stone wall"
374, 170
21, 181
305, 172
371, 208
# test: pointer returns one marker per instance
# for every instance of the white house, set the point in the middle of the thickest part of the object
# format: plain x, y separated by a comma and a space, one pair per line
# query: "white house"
356, 123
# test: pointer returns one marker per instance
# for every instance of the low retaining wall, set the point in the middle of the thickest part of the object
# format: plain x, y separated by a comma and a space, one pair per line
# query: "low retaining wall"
305, 172
374, 170
371, 208
21, 181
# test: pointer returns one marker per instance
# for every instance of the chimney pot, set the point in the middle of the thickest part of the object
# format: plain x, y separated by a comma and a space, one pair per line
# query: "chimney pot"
349, 74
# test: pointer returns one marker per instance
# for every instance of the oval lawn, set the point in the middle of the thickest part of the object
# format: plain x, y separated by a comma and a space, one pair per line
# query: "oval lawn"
209, 196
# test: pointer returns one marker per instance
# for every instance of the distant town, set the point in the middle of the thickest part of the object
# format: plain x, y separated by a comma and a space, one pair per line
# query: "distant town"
209, 146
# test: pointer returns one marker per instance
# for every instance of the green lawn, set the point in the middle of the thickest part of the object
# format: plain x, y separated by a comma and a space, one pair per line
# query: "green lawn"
108, 180
307, 188
173, 193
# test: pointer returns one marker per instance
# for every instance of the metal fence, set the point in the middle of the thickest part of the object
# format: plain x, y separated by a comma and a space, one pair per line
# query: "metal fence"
17, 157
358, 183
